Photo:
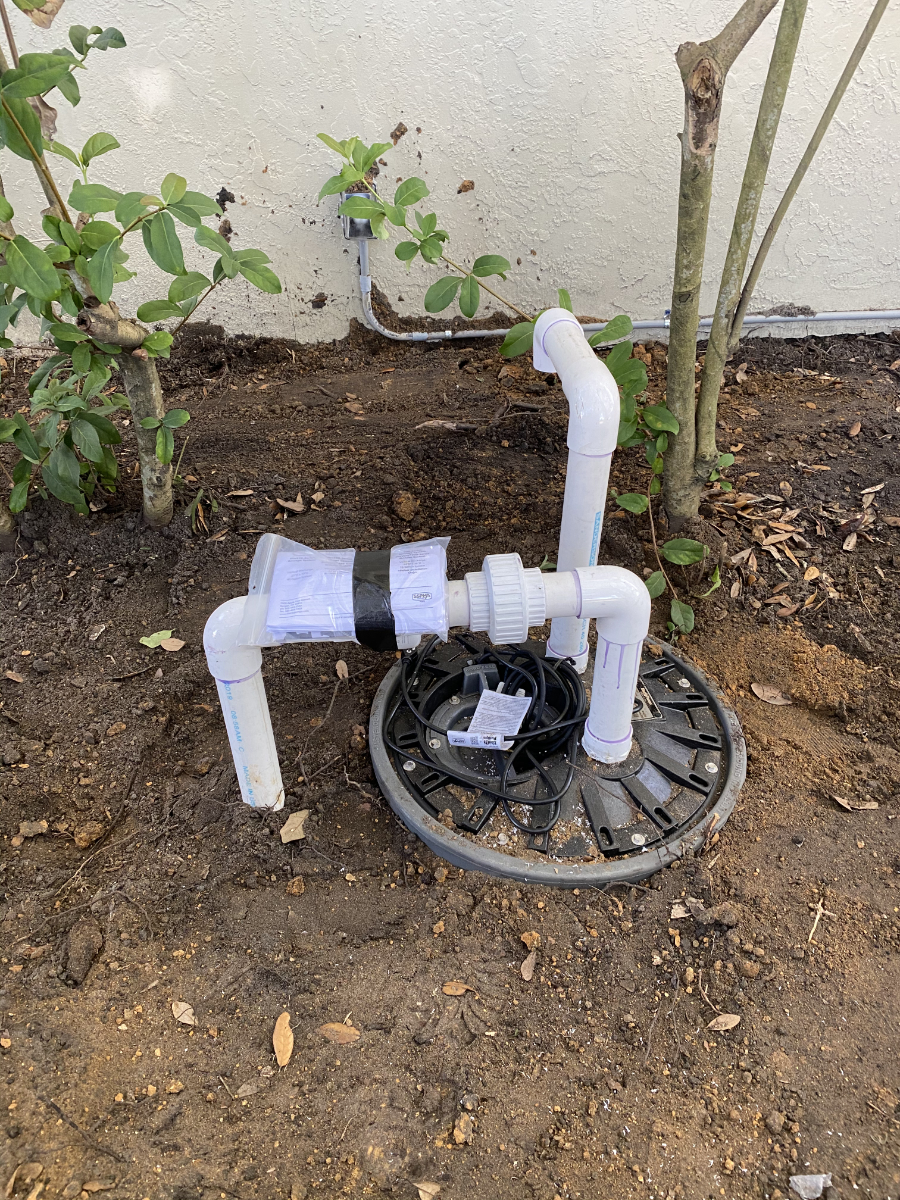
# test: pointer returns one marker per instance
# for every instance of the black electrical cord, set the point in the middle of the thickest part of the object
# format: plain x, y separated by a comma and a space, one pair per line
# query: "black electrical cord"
518, 667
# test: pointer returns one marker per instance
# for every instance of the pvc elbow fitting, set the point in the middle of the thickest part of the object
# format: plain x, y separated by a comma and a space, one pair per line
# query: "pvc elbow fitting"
593, 395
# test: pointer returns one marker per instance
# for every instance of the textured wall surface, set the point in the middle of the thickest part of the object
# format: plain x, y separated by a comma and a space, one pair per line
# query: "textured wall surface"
565, 119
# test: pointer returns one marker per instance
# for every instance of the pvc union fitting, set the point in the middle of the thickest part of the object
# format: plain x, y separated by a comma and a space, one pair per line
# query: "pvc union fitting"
515, 596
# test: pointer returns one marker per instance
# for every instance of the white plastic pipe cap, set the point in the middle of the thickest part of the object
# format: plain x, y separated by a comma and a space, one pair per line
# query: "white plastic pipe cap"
227, 660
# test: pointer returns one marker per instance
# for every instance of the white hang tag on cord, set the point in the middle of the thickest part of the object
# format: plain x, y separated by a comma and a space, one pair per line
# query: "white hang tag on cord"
496, 718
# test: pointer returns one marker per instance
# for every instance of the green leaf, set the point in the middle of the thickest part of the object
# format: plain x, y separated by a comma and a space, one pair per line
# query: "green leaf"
7, 428
162, 244
24, 439
65, 334
70, 236
683, 551
155, 639
6, 209
633, 502
627, 432
211, 240
109, 39
565, 300
95, 380
176, 417
251, 257
202, 205
333, 186
333, 144
165, 444
662, 443
100, 272
93, 197
618, 327
18, 496
85, 438
430, 249
173, 188
29, 122
31, 269
35, 74
130, 208
81, 358
725, 460
61, 474
260, 276
63, 152
426, 224
78, 36
157, 344
442, 293
40, 375
158, 310
361, 208
68, 85
406, 251
396, 215
655, 485
682, 616
469, 296
490, 264
97, 233
106, 431
374, 153
150, 422
97, 144
715, 581
656, 584
411, 191
184, 287
659, 419
519, 340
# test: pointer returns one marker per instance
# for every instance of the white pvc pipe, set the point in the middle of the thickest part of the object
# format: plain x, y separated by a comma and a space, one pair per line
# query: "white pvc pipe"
620, 603
237, 671
593, 396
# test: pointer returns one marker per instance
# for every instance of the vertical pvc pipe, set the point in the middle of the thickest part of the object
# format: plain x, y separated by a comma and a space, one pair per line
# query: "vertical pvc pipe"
237, 671
621, 604
593, 396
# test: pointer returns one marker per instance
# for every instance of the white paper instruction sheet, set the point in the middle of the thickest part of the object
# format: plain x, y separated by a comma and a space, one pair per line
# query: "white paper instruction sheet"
496, 718
419, 587
312, 595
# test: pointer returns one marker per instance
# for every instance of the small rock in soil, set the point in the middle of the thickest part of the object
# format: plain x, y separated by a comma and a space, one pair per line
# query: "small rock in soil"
810, 1187
30, 829
405, 505
84, 944
749, 970
775, 1122
86, 834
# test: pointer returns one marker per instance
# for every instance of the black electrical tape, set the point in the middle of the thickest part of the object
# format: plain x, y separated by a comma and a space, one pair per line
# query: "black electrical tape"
373, 616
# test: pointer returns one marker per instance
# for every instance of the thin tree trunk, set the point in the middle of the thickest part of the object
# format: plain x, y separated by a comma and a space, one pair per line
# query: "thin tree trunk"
755, 172
808, 155
704, 69
144, 392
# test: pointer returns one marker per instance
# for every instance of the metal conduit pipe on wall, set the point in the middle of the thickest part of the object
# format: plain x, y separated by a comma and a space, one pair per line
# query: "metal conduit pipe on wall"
365, 286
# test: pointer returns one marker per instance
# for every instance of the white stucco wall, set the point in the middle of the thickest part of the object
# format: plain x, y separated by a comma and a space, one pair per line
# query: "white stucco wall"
565, 116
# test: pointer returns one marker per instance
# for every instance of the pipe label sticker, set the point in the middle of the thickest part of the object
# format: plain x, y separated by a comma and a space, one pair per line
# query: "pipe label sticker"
419, 587
496, 718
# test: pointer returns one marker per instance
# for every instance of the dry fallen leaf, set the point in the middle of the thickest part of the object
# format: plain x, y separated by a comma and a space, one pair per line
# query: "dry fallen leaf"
172, 644
14, 676
241, 492
427, 1191
342, 1034
454, 988
283, 1040
183, 1012
250, 1088
741, 373
295, 506
679, 910
850, 541
341, 667
98, 1185
769, 694
892, 521
855, 428
724, 1021
735, 589
785, 488
869, 491
855, 805
811, 573
526, 970
292, 830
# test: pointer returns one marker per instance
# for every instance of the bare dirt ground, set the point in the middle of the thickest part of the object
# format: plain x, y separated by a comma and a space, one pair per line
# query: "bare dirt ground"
152, 885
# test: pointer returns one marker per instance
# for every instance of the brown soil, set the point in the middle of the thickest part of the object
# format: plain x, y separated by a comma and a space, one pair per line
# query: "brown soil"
599, 1077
